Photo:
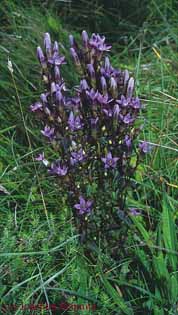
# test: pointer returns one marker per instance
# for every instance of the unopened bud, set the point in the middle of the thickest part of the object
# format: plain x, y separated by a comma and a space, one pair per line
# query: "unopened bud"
55, 47
57, 74
85, 38
91, 71
41, 57
103, 85
130, 87
72, 41
84, 85
47, 44
113, 87
75, 56
53, 87
59, 97
107, 63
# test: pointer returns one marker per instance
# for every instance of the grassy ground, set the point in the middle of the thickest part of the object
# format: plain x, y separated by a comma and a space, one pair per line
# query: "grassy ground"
41, 260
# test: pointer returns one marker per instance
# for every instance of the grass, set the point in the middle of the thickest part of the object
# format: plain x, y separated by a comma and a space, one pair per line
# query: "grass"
41, 260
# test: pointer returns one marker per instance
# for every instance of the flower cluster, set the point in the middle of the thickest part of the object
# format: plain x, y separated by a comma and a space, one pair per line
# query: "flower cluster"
92, 126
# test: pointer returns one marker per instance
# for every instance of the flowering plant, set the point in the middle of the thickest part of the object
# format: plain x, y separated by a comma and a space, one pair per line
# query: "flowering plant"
92, 128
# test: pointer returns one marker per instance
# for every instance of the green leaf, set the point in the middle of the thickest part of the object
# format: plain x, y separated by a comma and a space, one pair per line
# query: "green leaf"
159, 263
142, 230
53, 24
169, 233
174, 288
158, 311
115, 296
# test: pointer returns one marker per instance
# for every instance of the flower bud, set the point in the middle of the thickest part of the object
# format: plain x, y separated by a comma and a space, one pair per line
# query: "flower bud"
84, 85
91, 71
53, 87
128, 141
113, 87
59, 97
43, 98
41, 57
56, 47
107, 64
130, 87
57, 74
47, 44
116, 110
85, 38
75, 57
103, 85
71, 40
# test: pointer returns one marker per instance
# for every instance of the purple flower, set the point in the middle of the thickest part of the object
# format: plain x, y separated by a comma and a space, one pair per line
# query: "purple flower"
93, 95
134, 211
73, 102
35, 107
144, 147
110, 161
56, 59
124, 102
48, 132
108, 112
41, 158
128, 141
127, 119
84, 206
135, 103
58, 169
55, 87
98, 42
103, 99
77, 156
74, 122
83, 85
107, 69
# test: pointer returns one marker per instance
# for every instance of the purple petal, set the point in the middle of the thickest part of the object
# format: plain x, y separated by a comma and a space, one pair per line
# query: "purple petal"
77, 206
134, 211
109, 156
36, 106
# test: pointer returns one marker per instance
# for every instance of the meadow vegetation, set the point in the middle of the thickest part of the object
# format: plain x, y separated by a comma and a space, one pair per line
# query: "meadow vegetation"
41, 258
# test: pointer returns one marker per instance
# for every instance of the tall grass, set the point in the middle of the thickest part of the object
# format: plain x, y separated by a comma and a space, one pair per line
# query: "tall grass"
41, 260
